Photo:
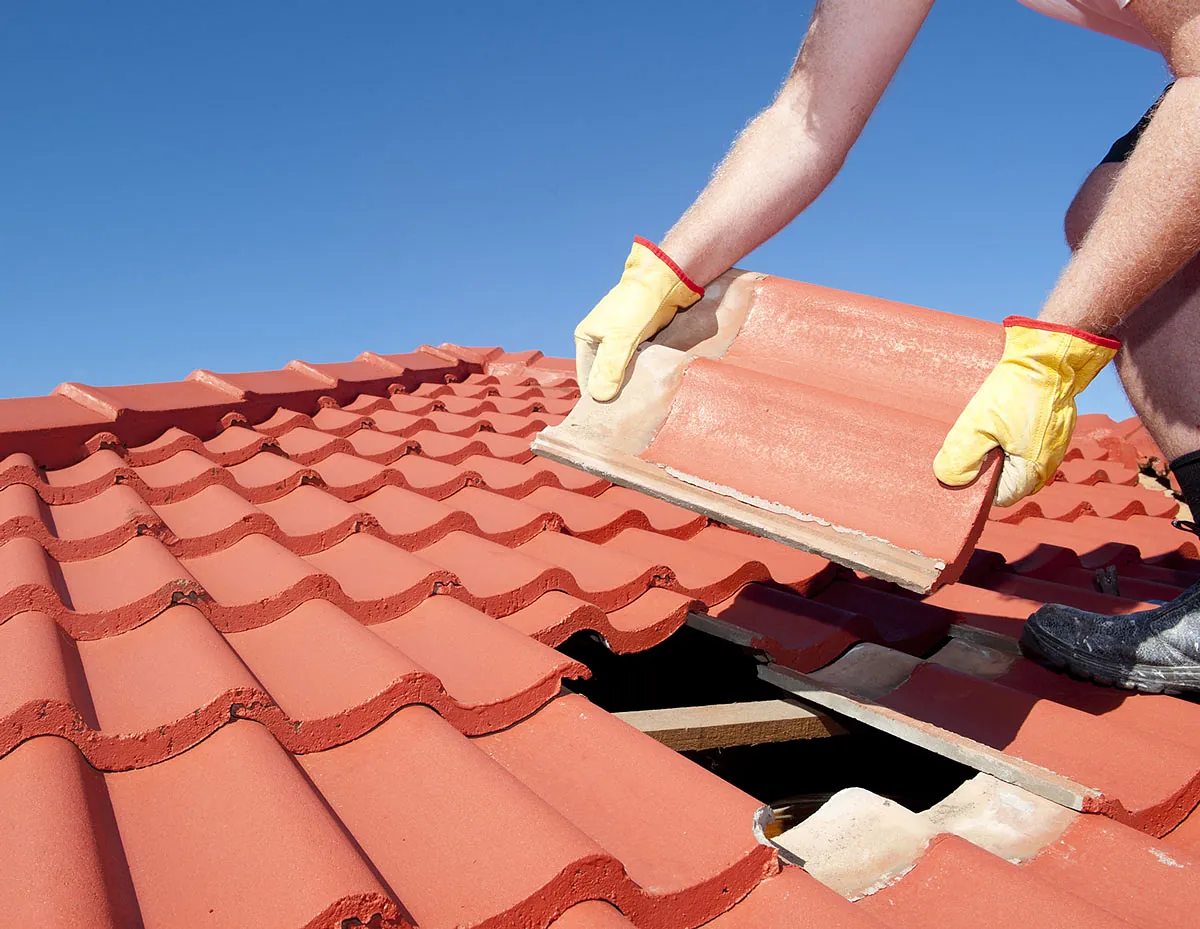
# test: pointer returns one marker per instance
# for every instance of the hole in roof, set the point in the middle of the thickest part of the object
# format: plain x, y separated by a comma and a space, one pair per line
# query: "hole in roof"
692, 669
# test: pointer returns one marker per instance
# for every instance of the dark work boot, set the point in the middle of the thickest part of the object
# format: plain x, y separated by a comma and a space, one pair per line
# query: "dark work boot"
1155, 651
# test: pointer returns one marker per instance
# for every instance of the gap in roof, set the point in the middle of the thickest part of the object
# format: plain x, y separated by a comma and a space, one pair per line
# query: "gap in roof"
692, 669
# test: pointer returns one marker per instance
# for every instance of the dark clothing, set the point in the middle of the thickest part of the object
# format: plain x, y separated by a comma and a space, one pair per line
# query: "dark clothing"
1123, 147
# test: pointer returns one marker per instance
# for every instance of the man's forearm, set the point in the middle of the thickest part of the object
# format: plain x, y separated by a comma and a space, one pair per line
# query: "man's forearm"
774, 171
792, 150
1149, 227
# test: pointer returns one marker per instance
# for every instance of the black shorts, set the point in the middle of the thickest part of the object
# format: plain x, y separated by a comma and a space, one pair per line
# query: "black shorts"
1123, 147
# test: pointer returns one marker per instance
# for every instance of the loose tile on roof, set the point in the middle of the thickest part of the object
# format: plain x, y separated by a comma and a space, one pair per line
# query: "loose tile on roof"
778, 407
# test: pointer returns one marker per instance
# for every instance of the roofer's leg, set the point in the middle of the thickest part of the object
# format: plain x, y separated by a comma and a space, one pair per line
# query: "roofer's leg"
1156, 650
1157, 358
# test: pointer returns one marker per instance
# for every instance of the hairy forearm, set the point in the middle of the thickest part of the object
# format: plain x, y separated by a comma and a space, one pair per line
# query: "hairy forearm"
1149, 227
793, 149
775, 170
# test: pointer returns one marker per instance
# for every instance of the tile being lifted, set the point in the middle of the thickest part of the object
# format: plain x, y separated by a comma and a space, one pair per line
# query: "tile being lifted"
807, 415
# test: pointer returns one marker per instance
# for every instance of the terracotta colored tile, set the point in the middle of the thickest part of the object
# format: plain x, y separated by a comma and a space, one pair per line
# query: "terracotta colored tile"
433, 478
398, 423
284, 420
366, 404
64, 866
496, 579
306, 446
410, 519
235, 445
299, 384
256, 581
1090, 472
1077, 745
821, 474
649, 619
451, 449
802, 571
504, 424
956, 884
796, 632
340, 422
238, 794
1156, 886
213, 518
230, 446
351, 477
770, 372
1058, 500
503, 519
101, 523
612, 782
43, 689
1030, 588
992, 610
507, 447
332, 679
310, 519
379, 580
22, 513
452, 424
646, 621
85, 479
794, 900
664, 517
379, 446
607, 575
1186, 835
183, 473
413, 406
97, 596
21, 468
701, 572
571, 478
159, 689
1156, 539
494, 674
29, 580
459, 864
269, 476
591, 518
1155, 715
511, 478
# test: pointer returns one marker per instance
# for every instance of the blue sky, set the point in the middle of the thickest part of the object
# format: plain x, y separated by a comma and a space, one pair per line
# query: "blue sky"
233, 185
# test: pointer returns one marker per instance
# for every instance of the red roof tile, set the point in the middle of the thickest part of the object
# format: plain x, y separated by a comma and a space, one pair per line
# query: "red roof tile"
771, 404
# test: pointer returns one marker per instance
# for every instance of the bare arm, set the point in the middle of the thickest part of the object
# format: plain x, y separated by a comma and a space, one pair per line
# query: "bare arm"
794, 148
1149, 227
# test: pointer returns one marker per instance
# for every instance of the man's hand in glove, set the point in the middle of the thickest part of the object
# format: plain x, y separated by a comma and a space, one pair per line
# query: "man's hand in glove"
651, 291
1025, 407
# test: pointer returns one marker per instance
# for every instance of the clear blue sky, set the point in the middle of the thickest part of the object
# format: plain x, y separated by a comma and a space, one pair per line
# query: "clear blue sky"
233, 185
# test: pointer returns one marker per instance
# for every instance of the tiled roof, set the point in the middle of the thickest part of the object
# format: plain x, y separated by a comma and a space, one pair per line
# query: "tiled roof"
279, 647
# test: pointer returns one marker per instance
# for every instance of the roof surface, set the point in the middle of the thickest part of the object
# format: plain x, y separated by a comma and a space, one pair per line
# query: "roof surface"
279, 647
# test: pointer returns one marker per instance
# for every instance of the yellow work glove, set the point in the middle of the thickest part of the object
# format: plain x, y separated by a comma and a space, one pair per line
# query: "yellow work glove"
1026, 407
651, 291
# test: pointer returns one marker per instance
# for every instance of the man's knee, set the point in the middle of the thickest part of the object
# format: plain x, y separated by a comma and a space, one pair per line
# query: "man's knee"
1088, 202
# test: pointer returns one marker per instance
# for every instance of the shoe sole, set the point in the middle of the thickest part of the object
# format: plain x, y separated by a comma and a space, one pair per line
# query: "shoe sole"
1149, 679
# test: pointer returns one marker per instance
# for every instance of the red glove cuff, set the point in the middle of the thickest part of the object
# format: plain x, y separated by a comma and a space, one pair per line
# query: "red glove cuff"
1027, 323
666, 259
